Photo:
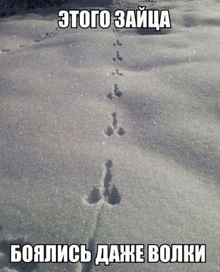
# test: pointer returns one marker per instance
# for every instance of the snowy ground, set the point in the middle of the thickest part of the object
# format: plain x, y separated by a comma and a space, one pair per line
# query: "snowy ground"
65, 144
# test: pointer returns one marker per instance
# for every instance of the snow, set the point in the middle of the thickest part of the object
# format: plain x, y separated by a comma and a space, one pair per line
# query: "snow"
58, 166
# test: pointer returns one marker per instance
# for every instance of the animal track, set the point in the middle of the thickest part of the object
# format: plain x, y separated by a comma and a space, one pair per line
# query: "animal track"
118, 43
118, 57
116, 92
46, 35
109, 96
109, 192
115, 121
107, 179
111, 195
110, 130
5, 50
117, 72
114, 196
121, 131
94, 196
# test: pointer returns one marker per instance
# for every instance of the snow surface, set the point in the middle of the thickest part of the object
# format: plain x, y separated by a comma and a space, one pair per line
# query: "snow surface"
152, 177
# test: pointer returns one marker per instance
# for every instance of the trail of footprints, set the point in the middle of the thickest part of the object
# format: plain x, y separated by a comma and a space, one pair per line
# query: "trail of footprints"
47, 35
108, 192
117, 93
44, 36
